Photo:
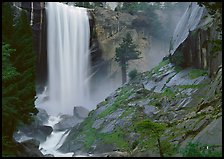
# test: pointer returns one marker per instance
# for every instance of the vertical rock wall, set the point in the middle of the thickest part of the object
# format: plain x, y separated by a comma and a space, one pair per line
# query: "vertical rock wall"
196, 48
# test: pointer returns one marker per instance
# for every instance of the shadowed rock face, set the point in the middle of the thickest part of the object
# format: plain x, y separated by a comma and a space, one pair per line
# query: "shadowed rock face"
190, 44
36, 130
29, 148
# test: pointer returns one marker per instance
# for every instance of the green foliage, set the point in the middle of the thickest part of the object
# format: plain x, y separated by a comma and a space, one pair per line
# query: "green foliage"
127, 112
215, 10
119, 101
18, 85
103, 103
168, 93
200, 150
178, 59
155, 103
152, 133
7, 146
7, 22
8, 71
216, 47
132, 74
195, 73
194, 86
116, 138
156, 68
149, 128
89, 132
83, 4
126, 51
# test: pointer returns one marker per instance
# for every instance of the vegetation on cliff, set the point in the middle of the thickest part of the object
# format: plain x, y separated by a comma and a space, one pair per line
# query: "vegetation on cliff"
144, 120
18, 75
125, 52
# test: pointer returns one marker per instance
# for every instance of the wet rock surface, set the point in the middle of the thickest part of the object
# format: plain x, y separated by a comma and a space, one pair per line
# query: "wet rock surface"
29, 148
36, 130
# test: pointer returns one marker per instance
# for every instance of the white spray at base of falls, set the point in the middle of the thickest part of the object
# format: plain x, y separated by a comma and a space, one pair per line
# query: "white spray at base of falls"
68, 58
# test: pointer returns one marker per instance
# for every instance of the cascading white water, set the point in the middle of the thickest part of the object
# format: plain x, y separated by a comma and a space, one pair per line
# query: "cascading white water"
68, 58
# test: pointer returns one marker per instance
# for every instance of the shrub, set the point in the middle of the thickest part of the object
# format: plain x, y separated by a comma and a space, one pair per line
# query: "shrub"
195, 73
200, 150
132, 74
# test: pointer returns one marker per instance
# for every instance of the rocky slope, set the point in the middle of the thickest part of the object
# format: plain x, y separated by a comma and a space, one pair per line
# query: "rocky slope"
186, 101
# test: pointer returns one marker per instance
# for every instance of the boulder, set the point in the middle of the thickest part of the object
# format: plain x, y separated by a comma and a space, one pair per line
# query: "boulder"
67, 122
80, 112
42, 116
48, 155
29, 148
39, 133
211, 134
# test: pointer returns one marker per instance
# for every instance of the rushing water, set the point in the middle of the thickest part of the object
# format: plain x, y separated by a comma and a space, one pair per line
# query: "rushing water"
55, 140
68, 58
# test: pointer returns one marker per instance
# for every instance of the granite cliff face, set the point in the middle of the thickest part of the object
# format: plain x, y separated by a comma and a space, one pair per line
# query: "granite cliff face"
192, 45
111, 27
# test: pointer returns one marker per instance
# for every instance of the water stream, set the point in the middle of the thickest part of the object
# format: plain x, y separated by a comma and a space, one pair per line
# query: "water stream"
68, 58
68, 35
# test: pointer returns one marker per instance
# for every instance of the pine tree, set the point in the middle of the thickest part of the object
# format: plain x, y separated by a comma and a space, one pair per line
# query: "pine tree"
7, 22
125, 52
18, 85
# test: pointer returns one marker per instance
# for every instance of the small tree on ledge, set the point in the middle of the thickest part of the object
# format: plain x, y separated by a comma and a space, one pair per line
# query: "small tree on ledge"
125, 52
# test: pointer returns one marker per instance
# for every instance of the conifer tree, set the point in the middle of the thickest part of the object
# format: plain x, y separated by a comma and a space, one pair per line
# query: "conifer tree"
18, 85
125, 52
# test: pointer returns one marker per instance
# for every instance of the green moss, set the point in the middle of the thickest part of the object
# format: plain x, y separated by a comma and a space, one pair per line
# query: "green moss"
178, 68
168, 93
194, 86
103, 103
117, 138
127, 112
90, 135
119, 102
195, 73
200, 150
89, 132
155, 103
156, 69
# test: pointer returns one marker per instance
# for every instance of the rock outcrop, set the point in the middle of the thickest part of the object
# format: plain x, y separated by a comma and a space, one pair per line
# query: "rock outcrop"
68, 121
36, 130
187, 104
191, 43
29, 148
111, 27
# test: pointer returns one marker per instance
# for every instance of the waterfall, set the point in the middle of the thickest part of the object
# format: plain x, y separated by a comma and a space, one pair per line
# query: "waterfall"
68, 58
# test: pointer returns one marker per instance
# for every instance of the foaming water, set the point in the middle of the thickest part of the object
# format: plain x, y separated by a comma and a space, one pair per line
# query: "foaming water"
55, 140
68, 58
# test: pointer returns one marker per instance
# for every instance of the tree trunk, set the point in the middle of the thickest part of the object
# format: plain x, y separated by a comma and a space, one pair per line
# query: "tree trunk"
123, 70
160, 148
